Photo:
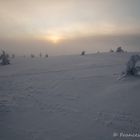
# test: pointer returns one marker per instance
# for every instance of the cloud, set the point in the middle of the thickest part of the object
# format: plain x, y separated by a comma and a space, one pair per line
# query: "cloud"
34, 18
75, 21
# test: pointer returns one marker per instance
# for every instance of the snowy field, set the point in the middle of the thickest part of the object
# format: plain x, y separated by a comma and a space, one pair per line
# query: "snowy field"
68, 98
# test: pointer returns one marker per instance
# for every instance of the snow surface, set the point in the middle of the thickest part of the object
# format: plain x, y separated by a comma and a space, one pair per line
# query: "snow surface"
68, 98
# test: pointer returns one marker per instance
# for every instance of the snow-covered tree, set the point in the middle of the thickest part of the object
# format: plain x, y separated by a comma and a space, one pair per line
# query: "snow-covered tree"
119, 50
4, 58
131, 68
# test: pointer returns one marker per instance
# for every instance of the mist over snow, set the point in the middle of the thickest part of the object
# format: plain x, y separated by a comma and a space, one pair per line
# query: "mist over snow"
90, 44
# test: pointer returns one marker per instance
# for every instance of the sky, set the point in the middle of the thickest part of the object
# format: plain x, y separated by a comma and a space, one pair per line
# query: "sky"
62, 27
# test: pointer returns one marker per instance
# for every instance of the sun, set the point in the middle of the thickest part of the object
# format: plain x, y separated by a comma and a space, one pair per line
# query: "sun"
54, 39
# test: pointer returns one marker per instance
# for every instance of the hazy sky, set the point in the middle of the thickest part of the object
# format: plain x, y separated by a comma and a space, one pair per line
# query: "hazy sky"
69, 26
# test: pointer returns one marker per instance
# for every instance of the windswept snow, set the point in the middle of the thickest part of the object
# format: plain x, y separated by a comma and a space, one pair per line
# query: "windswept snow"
68, 98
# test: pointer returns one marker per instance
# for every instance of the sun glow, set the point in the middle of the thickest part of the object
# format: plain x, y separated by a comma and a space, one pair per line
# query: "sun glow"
54, 39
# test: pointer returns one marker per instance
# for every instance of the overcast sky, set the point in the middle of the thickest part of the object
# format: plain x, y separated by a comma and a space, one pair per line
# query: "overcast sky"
69, 26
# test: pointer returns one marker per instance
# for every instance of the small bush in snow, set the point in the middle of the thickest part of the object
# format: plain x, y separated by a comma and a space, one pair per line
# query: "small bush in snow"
46, 55
32, 55
83, 53
40, 55
13, 56
111, 51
